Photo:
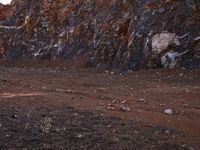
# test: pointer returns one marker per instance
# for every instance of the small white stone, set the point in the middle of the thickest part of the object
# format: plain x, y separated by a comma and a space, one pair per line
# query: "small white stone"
124, 101
181, 74
168, 111
125, 109
167, 131
80, 136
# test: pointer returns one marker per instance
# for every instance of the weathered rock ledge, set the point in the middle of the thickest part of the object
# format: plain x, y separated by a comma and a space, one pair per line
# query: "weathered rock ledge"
126, 34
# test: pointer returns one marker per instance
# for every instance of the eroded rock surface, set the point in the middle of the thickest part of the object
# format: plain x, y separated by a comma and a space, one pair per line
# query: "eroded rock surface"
126, 34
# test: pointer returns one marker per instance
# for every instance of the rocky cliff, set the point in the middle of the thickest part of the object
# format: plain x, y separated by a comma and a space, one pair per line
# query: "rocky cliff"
126, 34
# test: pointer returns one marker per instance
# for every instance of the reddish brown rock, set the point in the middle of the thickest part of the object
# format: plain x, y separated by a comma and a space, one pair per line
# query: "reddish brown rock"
6, 11
108, 33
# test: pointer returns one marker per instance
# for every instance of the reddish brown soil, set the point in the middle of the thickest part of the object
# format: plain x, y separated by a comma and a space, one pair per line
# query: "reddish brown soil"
29, 94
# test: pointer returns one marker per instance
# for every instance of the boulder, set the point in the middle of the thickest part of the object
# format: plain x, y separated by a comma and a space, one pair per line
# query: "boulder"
161, 42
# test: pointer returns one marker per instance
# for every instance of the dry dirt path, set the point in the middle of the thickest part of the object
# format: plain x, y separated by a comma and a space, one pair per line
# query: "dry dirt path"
140, 96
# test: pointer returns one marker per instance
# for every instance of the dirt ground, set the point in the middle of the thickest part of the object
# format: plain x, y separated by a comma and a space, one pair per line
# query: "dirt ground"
57, 107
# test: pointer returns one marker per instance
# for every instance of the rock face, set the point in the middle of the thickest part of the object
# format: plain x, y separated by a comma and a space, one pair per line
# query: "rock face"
5, 11
126, 34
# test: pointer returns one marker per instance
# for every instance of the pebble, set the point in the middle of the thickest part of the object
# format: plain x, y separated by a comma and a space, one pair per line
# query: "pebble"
102, 97
69, 91
168, 112
125, 109
167, 131
80, 136
181, 74
14, 116
124, 101
110, 108
109, 126
141, 100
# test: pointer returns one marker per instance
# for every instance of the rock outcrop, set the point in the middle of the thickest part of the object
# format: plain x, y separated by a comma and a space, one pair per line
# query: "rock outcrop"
126, 34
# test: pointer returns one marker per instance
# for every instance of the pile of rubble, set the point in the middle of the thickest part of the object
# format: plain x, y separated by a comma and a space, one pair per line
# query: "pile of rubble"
127, 34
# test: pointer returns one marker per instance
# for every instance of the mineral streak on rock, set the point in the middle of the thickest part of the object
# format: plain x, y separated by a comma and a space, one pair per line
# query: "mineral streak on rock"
126, 34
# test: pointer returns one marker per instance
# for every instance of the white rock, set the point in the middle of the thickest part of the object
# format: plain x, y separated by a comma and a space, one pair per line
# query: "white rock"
167, 131
124, 101
168, 111
125, 109
181, 74
80, 136
169, 60
161, 42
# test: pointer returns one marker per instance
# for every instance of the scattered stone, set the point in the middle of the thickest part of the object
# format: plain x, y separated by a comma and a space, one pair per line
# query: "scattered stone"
124, 101
163, 105
141, 100
107, 71
191, 148
181, 74
57, 130
69, 91
168, 112
60, 90
14, 116
110, 108
167, 131
8, 135
114, 101
185, 105
109, 126
125, 109
80, 136
44, 87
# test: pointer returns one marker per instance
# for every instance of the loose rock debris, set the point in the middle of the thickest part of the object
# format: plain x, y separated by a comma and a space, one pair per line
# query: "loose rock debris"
30, 113
85, 130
